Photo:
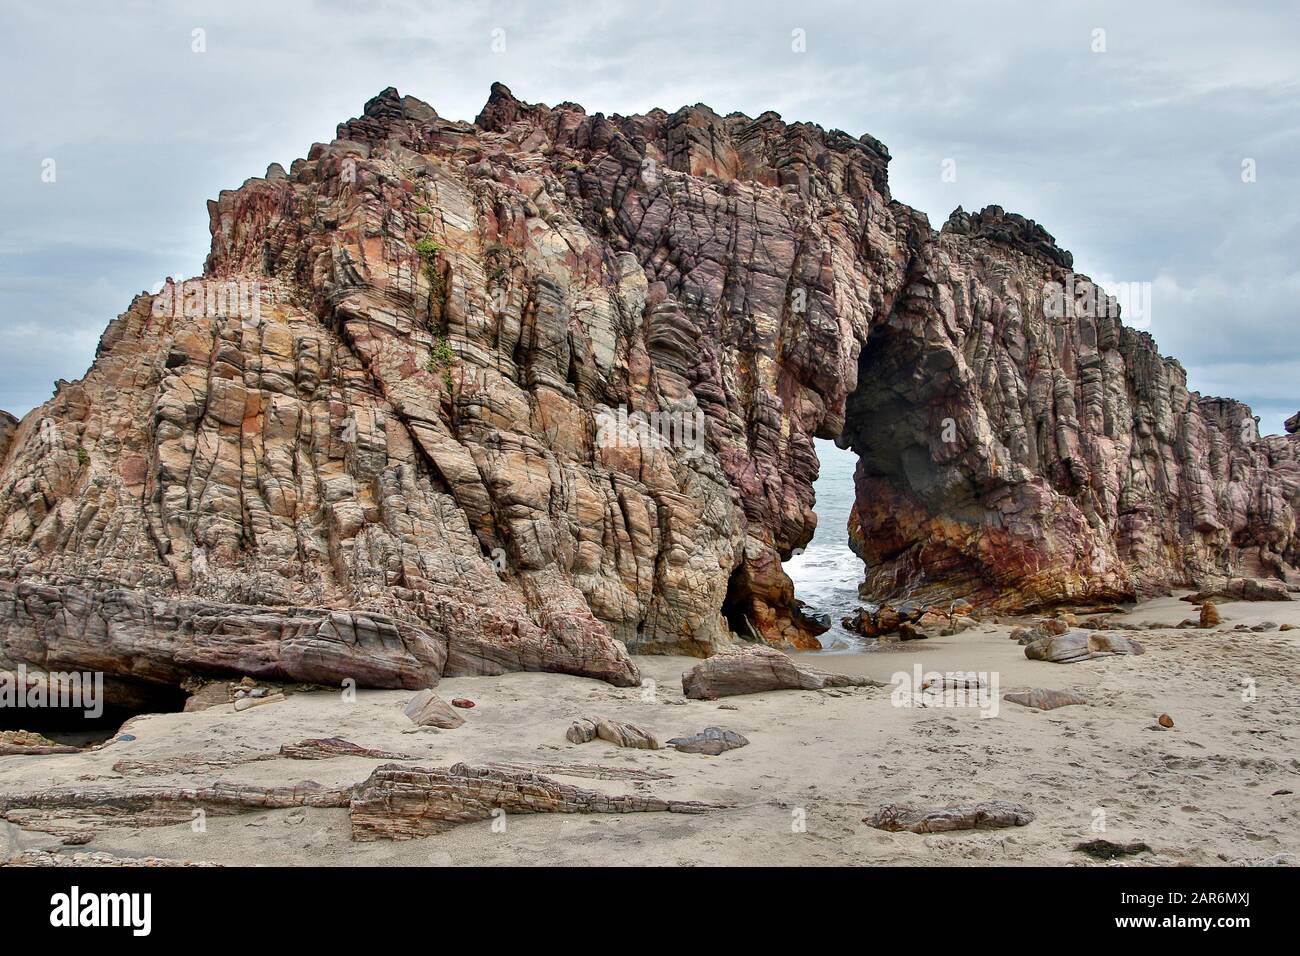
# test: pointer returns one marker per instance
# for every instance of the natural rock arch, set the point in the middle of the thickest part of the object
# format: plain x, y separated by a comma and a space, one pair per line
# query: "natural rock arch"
394, 468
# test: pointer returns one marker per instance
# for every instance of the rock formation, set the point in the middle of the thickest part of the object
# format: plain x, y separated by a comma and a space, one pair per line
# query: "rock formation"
620, 734
1209, 616
711, 741
400, 803
74, 809
1241, 589
14, 742
8, 425
1042, 698
427, 709
985, 815
534, 391
1075, 646
754, 669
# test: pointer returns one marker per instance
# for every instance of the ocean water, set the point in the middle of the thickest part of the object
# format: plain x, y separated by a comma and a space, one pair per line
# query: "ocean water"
827, 574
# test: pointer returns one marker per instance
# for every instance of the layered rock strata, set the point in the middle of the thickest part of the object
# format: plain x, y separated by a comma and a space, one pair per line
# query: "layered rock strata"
539, 390
400, 803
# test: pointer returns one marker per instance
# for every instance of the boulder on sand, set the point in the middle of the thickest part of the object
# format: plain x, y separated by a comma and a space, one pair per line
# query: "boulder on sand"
586, 729
752, 669
1041, 698
1242, 589
711, 741
626, 735
1078, 645
427, 709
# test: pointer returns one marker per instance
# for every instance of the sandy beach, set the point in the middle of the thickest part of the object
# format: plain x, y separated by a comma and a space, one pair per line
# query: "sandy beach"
1216, 788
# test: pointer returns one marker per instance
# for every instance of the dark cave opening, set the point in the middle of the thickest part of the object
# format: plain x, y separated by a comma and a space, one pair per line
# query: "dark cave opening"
887, 417
737, 606
79, 718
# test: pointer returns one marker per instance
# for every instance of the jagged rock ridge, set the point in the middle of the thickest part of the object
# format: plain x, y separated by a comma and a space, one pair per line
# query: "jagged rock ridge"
393, 458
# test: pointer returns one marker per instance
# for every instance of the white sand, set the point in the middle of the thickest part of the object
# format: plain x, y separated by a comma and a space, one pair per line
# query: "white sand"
1199, 793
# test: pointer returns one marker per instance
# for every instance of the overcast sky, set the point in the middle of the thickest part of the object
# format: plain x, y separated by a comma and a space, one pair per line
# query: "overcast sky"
1132, 156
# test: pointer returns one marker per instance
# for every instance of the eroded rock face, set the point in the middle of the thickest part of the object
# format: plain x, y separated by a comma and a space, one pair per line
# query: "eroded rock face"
137, 638
411, 388
1019, 446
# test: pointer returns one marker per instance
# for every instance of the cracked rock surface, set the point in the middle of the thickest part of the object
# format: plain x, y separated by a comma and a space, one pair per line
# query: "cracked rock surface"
531, 392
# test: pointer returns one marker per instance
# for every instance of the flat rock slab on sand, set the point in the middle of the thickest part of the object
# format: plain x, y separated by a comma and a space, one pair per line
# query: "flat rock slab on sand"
988, 815
710, 740
1041, 698
752, 669
1079, 645
24, 742
400, 803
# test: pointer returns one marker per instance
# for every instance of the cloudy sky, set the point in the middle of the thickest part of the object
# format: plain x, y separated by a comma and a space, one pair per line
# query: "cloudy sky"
1127, 144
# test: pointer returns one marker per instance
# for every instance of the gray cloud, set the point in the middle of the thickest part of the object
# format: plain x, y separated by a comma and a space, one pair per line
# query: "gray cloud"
1131, 157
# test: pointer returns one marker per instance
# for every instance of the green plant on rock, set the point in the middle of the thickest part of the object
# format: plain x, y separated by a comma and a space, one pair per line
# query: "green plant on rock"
440, 353
83, 457
428, 251
440, 359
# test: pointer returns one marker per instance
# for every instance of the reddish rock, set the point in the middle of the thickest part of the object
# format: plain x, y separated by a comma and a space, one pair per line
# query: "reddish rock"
414, 390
